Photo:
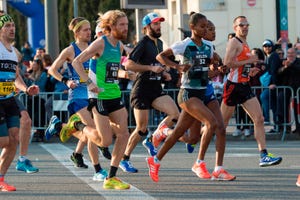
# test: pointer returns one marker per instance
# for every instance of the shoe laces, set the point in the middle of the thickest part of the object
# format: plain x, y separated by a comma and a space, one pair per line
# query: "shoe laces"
129, 164
28, 163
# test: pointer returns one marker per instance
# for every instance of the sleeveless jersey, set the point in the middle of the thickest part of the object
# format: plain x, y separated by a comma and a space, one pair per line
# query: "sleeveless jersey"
240, 74
104, 72
8, 67
79, 92
199, 59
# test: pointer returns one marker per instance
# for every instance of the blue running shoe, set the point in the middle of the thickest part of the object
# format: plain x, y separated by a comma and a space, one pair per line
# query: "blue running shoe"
269, 160
26, 166
190, 147
149, 146
126, 166
101, 175
53, 127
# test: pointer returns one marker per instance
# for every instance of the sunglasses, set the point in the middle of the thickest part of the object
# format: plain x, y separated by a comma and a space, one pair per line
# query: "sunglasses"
243, 25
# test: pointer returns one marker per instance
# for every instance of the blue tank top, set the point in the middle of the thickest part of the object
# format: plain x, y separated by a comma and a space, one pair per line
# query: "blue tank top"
80, 92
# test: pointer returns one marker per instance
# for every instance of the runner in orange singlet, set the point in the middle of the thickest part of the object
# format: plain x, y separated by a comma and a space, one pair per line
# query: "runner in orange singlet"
238, 91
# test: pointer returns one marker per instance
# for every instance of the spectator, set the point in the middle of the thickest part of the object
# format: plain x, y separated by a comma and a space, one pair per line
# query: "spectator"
289, 76
268, 95
27, 53
36, 104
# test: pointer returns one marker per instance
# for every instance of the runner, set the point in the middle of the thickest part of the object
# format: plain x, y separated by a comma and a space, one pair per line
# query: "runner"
147, 91
238, 91
9, 111
196, 57
78, 101
109, 112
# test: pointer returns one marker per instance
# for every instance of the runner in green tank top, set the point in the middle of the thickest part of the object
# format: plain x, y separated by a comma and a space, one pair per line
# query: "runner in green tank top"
108, 110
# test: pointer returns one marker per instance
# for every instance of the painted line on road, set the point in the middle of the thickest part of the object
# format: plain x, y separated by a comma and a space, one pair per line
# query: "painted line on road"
60, 151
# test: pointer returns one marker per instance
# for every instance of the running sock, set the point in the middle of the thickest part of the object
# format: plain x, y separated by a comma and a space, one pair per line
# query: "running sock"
112, 171
97, 167
22, 158
156, 159
217, 168
79, 126
125, 157
199, 161
263, 153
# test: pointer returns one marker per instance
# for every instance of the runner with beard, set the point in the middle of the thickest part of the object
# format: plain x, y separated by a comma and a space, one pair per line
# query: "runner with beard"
147, 91
109, 112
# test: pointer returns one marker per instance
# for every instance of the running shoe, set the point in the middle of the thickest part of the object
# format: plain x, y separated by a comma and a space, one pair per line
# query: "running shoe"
101, 175
247, 132
158, 135
222, 175
201, 171
269, 160
153, 168
149, 146
190, 147
26, 166
126, 166
53, 128
5, 187
77, 159
105, 152
115, 183
237, 132
298, 181
67, 131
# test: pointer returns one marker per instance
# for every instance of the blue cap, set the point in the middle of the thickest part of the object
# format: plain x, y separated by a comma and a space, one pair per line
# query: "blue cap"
151, 17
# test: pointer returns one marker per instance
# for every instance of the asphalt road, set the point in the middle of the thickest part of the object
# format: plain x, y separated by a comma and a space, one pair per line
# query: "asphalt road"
58, 179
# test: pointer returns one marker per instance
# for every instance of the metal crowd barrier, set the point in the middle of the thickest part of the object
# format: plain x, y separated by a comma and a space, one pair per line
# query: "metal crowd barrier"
41, 107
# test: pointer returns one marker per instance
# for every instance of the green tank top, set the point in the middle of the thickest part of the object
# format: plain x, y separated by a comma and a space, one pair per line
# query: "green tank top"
107, 71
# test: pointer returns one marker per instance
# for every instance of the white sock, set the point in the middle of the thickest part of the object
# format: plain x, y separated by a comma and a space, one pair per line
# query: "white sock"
22, 158
217, 168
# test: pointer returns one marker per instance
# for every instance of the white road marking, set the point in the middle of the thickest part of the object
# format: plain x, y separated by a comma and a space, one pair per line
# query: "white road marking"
60, 151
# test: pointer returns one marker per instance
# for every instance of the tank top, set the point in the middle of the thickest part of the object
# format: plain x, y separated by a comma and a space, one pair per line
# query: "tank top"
197, 56
8, 67
79, 92
104, 72
240, 74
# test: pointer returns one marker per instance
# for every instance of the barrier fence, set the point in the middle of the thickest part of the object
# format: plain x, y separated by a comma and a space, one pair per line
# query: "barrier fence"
41, 107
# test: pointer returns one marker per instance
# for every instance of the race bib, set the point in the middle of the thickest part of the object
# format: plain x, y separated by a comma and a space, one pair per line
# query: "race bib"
6, 88
112, 72
87, 72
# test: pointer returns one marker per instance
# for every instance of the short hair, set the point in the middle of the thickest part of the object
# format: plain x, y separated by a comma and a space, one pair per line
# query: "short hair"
195, 17
238, 17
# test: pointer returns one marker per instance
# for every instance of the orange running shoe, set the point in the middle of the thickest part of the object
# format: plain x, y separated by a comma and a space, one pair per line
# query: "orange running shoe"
298, 181
222, 175
201, 171
5, 186
153, 168
158, 135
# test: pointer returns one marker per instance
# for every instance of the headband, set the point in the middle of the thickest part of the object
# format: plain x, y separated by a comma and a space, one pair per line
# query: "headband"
4, 19
76, 27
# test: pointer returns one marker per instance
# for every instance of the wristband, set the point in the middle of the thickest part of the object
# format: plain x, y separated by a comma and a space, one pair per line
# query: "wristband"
64, 80
89, 81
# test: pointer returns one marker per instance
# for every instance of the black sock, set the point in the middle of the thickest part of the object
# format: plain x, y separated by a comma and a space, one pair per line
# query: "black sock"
97, 167
112, 171
79, 126
263, 153
125, 157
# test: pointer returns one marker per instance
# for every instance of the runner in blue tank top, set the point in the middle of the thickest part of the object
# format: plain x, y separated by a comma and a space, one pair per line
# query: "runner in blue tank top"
78, 101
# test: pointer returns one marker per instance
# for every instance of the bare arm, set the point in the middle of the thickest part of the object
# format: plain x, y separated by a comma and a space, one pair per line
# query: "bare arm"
95, 49
66, 55
163, 58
